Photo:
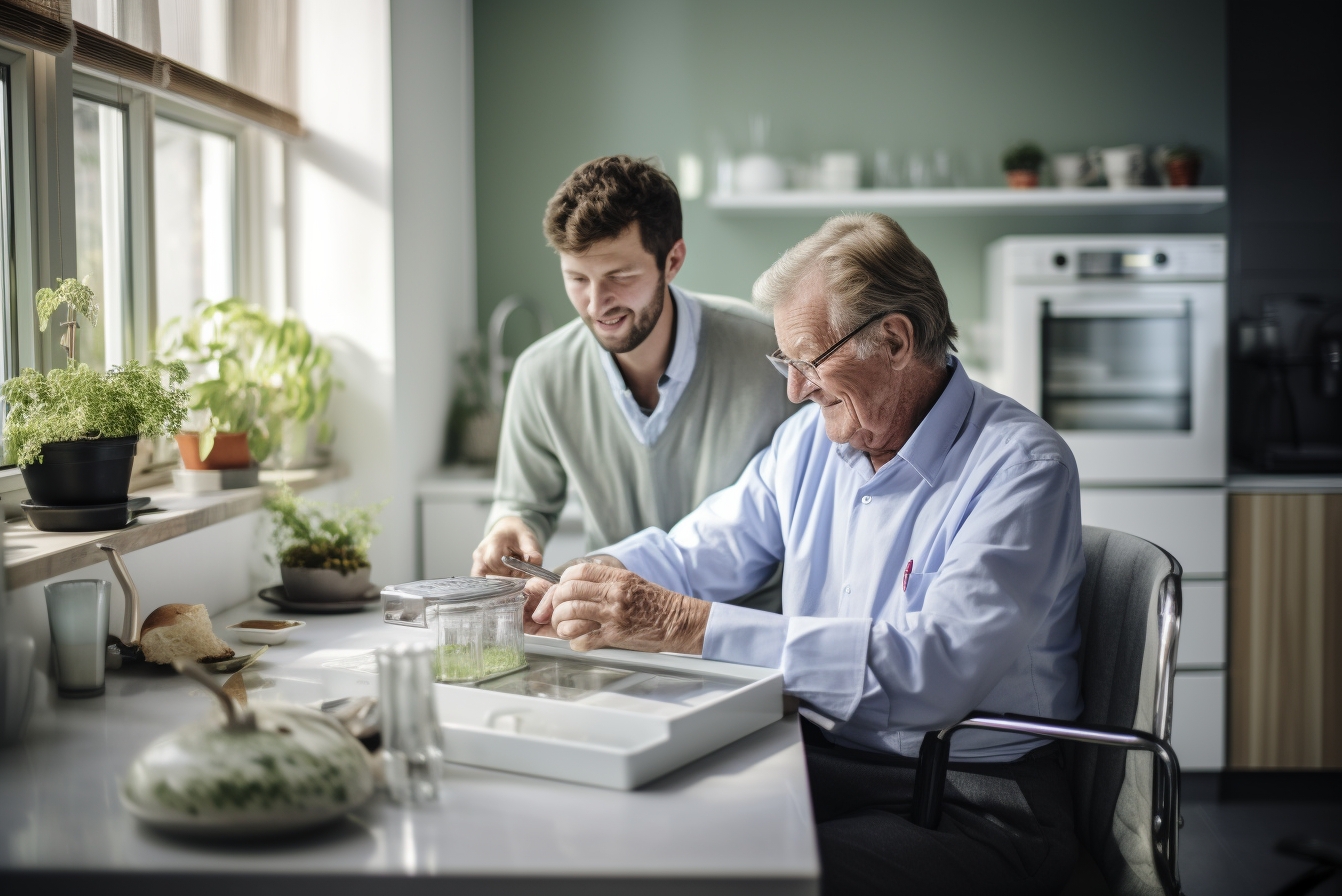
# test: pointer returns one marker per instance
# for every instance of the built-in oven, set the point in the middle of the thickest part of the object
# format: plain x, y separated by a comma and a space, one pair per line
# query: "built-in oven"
1119, 343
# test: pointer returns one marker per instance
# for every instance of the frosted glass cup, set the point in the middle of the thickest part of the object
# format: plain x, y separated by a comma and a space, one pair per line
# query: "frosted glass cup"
77, 612
412, 741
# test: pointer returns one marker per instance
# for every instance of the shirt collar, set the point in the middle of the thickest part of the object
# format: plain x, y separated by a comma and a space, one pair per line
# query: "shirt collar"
685, 349
926, 449
684, 355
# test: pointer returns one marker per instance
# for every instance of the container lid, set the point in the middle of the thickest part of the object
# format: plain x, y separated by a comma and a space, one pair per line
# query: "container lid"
456, 588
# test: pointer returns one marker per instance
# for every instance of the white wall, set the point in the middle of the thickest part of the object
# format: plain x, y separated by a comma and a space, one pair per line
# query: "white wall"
341, 244
385, 92
433, 194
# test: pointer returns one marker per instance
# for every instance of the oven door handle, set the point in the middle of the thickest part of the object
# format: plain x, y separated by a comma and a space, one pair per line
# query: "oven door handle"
1135, 308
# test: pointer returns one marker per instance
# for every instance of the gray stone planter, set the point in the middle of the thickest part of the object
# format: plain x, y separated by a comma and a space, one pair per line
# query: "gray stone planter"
317, 585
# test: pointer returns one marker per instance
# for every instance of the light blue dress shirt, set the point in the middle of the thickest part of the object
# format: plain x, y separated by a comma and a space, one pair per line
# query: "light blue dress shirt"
942, 583
684, 352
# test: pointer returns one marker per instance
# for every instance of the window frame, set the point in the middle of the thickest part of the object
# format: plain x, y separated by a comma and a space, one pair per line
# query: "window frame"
135, 288
39, 235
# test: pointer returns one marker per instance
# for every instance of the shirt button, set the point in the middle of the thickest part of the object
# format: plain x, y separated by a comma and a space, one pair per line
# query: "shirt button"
847, 589
866, 499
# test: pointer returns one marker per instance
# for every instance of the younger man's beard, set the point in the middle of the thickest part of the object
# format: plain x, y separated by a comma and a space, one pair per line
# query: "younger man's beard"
644, 322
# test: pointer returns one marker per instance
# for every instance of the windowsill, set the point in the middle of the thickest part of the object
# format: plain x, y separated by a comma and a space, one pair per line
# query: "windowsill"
32, 556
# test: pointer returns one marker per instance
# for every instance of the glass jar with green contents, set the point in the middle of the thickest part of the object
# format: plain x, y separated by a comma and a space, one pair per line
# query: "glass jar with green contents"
477, 623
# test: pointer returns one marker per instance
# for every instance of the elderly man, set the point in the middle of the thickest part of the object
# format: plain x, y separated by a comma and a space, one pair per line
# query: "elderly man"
931, 530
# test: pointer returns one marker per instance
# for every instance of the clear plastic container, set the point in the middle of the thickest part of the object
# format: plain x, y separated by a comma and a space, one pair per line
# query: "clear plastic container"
477, 623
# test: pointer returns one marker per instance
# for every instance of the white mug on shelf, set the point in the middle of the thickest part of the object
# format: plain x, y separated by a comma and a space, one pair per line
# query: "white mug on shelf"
1068, 168
839, 172
759, 172
1124, 166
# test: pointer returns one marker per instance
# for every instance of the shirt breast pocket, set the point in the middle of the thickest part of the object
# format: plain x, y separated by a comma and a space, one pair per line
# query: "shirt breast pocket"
915, 591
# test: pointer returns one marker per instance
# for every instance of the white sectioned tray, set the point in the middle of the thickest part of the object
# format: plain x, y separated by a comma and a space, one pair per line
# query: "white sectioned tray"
612, 718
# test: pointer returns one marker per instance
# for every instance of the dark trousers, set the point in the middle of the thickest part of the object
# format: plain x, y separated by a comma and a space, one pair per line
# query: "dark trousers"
1006, 828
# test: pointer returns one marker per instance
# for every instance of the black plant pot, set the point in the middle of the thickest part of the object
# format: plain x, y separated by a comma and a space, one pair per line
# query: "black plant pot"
83, 472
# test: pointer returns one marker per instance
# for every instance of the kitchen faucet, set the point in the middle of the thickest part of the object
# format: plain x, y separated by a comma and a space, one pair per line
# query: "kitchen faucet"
499, 364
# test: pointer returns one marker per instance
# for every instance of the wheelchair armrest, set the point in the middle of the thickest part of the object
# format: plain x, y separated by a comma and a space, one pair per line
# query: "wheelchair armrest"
934, 756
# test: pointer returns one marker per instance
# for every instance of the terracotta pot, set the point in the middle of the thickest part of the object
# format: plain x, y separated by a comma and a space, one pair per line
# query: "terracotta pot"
1183, 172
230, 451
1022, 179
316, 585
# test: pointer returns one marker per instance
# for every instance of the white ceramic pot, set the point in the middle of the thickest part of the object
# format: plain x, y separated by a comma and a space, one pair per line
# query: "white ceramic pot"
1124, 166
294, 769
759, 173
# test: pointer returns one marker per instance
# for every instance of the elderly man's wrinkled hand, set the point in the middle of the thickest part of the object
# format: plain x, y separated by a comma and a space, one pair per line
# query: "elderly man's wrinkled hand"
597, 606
535, 592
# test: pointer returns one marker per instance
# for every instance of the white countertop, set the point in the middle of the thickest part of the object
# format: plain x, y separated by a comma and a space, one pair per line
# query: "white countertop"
738, 820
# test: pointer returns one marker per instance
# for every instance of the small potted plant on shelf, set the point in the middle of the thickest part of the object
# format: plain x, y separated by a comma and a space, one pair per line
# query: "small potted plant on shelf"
73, 431
322, 548
1183, 165
1021, 163
473, 422
260, 386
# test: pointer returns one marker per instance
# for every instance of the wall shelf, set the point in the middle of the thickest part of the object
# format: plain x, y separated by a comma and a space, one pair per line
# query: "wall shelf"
963, 201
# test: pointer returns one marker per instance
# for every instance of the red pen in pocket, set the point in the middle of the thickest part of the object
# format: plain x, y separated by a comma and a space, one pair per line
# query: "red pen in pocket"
908, 570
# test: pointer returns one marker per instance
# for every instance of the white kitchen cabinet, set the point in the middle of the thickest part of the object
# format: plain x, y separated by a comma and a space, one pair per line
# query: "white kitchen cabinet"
453, 508
452, 514
1198, 731
1190, 523
1202, 630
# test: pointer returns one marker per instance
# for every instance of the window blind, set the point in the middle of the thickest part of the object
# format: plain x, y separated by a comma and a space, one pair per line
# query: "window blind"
48, 25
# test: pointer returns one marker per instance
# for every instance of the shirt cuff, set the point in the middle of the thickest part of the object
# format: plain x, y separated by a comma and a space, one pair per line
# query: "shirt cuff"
741, 635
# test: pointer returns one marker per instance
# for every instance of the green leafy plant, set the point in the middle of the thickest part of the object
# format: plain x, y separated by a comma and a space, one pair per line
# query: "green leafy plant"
1183, 152
1025, 156
469, 400
77, 402
77, 296
313, 535
251, 373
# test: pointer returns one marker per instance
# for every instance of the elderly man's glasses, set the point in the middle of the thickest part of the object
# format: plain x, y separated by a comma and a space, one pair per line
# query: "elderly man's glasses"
807, 369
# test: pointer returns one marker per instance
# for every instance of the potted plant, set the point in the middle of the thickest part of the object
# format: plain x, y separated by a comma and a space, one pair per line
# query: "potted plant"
260, 386
300, 369
1183, 165
1021, 163
73, 431
322, 549
473, 422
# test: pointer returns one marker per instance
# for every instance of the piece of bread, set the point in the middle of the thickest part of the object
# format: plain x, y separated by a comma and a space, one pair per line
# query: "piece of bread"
175, 630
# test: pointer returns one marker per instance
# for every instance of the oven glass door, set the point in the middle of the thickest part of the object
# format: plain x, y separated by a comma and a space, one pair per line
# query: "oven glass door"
1116, 367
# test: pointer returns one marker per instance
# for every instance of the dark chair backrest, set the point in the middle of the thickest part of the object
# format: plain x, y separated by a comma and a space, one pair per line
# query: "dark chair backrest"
1129, 616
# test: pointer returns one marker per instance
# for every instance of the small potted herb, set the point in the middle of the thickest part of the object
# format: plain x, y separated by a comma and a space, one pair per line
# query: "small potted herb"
1021, 164
74, 431
322, 548
1183, 165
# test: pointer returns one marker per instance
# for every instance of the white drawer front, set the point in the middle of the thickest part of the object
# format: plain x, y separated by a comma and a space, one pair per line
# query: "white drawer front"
1190, 523
1199, 721
1202, 632
450, 530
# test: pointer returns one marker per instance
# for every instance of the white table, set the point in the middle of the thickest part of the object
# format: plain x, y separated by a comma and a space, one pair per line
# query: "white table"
736, 821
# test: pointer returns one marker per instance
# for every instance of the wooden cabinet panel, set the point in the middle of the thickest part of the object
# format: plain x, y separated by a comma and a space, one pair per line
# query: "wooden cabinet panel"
1285, 631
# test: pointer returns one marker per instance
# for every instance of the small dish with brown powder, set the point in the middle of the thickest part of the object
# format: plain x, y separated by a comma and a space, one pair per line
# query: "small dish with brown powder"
265, 631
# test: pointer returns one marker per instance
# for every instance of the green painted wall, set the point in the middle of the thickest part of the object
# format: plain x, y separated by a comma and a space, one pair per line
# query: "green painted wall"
558, 82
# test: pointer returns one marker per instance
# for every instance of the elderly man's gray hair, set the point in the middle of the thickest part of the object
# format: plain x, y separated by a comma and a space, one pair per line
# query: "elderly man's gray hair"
869, 266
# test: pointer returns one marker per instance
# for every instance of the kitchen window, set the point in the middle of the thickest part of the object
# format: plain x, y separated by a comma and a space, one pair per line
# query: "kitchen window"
101, 227
195, 205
